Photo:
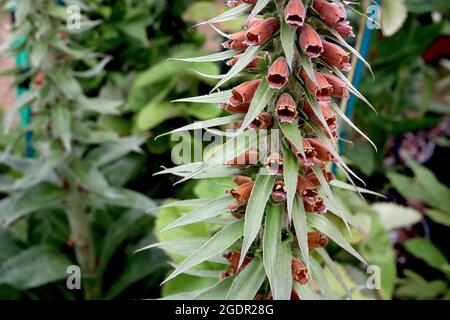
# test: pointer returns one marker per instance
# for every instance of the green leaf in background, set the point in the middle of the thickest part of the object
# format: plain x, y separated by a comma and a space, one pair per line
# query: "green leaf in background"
393, 17
230, 14
317, 273
438, 216
255, 210
9, 245
34, 267
424, 249
414, 286
247, 283
217, 292
213, 188
155, 113
394, 216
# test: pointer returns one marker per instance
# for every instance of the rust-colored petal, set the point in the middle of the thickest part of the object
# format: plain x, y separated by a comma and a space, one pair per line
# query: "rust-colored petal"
240, 108
299, 272
344, 29
295, 13
328, 115
236, 42
239, 180
306, 190
330, 13
279, 191
233, 258
339, 87
309, 152
317, 240
315, 181
252, 65
278, 74
259, 33
244, 92
336, 56
286, 109
321, 89
262, 121
310, 41
322, 151
318, 206
242, 194
249, 157
274, 163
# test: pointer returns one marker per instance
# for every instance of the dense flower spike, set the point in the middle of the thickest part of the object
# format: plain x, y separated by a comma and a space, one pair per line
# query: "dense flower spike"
259, 33
310, 41
278, 74
295, 13
290, 102
286, 109
336, 56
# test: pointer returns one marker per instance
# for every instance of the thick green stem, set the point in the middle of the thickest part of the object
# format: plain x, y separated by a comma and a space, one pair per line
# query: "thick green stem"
84, 245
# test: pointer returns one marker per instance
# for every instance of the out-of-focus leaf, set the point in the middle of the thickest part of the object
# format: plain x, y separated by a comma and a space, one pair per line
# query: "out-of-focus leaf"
247, 283
424, 249
259, 6
393, 17
438, 216
395, 216
9, 245
155, 113
346, 186
217, 292
414, 286
61, 125
230, 14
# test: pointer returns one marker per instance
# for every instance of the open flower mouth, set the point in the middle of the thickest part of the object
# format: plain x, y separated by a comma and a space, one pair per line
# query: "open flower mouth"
324, 93
279, 192
310, 196
252, 38
314, 51
295, 20
277, 81
286, 113
275, 166
263, 121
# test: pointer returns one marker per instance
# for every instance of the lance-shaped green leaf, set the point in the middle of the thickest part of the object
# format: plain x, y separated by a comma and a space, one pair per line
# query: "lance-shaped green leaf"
283, 278
301, 229
255, 211
95, 70
246, 285
228, 15
220, 56
209, 210
240, 65
61, 119
260, 100
259, 6
324, 225
317, 111
322, 282
214, 274
214, 171
306, 292
183, 203
221, 241
341, 114
206, 124
218, 291
306, 64
335, 272
346, 186
288, 41
216, 97
290, 173
20, 102
326, 187
293, 134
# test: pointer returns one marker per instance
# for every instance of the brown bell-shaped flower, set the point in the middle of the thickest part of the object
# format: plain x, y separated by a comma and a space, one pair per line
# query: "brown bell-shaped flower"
240, 108
295, 13
279, 191
306, 190
308, 151
236, 42
259, 33
252, 65
244, 92
249, 157
339, 86
307, 168
344, 29
286, 109
278, 74
316, 240
274, 163
318, 206
233, 258
241, 194
336, 56
239, 180
262, 121
299, 272
322, 152
321, 89
310, 41
315, 181
330, 13
328, 115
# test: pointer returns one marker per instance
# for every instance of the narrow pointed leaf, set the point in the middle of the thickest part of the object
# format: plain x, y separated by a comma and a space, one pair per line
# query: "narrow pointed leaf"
216, 97
220, 56
259, 6
246, 285
306, 292
288, 41
293, 134
318, 111
283, 278
346, 186
230, 14
322, 282
290, 173
301, 228
218, 291
306, 63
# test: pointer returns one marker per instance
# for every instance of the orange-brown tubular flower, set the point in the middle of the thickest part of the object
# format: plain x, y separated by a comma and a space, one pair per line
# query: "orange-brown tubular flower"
241, 194
239, 180
274, 163
262, 121
329, 116
336, 56
236, 42
233, 258
309, 151
306, 190
279, 192
299, 272
244, 92
278, 74
344, 29
322, 151
252, 65
240, 108
321, 89
249, 157
295, 13
317, 240
318, 206
286, 109
310, 41
330, 13
315, 181
259, 33
339, 86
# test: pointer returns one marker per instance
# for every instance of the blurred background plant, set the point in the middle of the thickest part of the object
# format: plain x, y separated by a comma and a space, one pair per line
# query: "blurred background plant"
106, 91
